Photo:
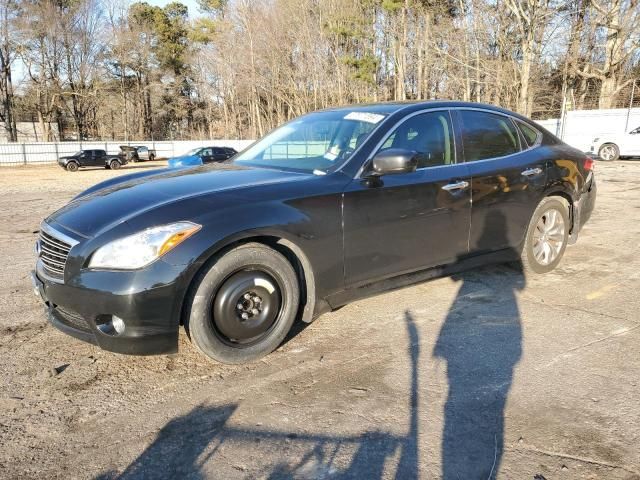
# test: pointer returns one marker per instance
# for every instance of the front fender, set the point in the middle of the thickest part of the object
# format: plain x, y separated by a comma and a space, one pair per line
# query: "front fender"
311, 228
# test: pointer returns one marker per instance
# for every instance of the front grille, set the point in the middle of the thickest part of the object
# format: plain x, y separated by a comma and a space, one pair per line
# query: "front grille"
53, 253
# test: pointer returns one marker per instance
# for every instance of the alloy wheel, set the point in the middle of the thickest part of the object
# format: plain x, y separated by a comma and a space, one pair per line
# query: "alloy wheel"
548, 237
608, 152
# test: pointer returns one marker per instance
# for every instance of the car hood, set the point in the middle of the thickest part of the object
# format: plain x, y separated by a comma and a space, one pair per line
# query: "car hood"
107, 205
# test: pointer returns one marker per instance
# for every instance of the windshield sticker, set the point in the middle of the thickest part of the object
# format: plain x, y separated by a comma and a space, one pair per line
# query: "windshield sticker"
364, 117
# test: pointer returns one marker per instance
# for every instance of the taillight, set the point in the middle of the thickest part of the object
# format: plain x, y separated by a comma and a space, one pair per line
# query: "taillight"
588, 163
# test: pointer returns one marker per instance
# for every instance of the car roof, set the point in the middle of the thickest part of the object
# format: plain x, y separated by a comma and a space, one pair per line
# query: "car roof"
409, 106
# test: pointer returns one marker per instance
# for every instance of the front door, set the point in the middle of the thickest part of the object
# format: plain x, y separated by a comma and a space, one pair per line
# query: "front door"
407, 222
206, 155
632, 141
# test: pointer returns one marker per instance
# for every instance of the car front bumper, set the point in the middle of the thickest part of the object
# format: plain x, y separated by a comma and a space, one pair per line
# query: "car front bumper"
148, 304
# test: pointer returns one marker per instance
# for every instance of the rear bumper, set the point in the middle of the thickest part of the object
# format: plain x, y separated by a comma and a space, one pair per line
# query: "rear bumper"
150, 312
582, 209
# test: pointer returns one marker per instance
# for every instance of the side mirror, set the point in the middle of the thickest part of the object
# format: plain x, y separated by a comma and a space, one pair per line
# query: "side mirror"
393, 161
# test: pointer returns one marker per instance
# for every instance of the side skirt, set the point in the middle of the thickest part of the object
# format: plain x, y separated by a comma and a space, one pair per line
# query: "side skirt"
349, 295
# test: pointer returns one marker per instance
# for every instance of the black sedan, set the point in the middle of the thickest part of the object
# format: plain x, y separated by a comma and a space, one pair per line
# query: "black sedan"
331, 207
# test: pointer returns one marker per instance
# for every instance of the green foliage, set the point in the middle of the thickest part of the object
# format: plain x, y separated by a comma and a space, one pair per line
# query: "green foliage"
392, 6
364, 68
169, 29
203, 30
212, 6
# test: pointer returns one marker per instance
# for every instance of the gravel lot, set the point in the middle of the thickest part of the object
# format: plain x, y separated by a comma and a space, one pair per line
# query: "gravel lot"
532, 378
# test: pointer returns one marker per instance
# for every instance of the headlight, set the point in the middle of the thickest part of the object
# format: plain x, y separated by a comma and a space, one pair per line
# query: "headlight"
142, 248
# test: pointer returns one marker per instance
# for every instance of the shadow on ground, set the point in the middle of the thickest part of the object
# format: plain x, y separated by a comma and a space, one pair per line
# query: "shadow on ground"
480, 341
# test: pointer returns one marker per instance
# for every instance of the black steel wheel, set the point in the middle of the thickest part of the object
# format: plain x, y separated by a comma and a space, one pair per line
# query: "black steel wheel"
243, 304
72, 167
245, 307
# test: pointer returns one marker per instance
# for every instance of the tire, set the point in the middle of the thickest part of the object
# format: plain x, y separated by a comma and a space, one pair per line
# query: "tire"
242, 304
114, 164
609, 152
152, 158
547, 236
72, 167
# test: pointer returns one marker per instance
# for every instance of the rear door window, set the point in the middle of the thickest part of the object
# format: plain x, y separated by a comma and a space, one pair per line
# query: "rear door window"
488, 135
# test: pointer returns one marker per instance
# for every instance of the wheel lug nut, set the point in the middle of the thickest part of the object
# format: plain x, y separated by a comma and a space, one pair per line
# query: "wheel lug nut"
239, 306
247, 296
245, 316
255, 311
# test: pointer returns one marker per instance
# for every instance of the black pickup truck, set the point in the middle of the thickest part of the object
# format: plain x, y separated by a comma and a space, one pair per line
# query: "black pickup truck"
91, 158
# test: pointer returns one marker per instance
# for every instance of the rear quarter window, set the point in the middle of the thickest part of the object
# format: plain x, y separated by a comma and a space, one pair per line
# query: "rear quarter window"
531, 135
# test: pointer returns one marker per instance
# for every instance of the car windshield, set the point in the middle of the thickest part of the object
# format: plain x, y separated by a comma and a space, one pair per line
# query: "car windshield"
193, 151
315, 142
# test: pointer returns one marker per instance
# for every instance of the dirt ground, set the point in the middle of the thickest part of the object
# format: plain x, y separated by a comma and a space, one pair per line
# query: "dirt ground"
486, 374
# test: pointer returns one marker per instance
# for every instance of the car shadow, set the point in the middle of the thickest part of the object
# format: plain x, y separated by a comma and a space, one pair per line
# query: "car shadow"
186, 443
481, 342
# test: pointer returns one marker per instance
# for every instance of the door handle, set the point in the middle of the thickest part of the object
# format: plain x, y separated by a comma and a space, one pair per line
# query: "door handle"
451, 187
531, 172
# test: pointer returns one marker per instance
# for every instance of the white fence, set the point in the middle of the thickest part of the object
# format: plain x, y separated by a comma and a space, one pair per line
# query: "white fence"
582, 126
12, 154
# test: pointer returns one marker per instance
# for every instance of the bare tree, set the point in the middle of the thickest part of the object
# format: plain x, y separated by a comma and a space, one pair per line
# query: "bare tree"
618, 40
9, 11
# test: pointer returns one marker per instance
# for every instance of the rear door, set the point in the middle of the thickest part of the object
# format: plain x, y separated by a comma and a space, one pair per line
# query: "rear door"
219, 154
230, 152
407, 222
98, 158
508, 177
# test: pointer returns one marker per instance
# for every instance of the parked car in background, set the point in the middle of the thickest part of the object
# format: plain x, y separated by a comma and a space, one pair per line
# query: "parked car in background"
138, 153
92, 158
613, 147
202, 155
334, 206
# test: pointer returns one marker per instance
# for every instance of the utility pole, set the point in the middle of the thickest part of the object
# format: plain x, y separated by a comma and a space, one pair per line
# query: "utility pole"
633, 91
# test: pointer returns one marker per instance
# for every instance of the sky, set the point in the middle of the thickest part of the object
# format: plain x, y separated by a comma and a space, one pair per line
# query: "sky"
192, 4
